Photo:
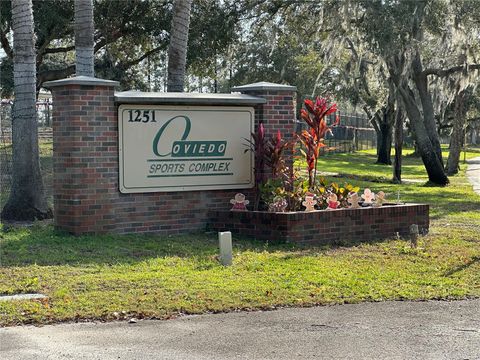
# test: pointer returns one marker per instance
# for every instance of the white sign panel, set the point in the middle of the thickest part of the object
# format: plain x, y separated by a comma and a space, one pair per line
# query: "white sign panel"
181, 148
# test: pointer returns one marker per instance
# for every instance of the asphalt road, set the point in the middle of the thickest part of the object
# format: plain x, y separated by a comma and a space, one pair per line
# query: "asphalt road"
389, 330
473, 173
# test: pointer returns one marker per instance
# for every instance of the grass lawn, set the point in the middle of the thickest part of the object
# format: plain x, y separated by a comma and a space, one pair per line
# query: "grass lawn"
146, 276
364, 166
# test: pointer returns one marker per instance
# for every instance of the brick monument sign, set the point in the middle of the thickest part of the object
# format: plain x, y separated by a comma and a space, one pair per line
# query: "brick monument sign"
130, 162
135, 162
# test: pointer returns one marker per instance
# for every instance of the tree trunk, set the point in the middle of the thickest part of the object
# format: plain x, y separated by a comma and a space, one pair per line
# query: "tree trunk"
384, 148
383, 124
177, 51
27, 197
431, 160
416, 152
379, 141
385, 145
84, 42
434, 167
457, 135
398, 139
421, 82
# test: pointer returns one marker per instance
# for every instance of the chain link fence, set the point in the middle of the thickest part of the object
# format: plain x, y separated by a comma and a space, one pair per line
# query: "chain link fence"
353, 133
45, 138
5, 150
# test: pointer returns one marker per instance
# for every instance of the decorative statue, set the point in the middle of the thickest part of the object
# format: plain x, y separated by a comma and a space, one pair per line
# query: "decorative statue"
332, 201
279, 204
379, 199
309, 202
353, 200
239, 203
368, 196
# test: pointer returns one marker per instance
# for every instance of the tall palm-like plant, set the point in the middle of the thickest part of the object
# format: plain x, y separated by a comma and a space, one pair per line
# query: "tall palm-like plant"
84, 38
314, 115
177, 50
27, 197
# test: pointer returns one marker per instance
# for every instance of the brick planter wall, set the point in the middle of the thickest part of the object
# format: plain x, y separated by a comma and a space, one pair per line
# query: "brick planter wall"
324, 227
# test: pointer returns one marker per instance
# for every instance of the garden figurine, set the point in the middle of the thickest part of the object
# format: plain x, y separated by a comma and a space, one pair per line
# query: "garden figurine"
309, 202
279, 204
353, 200
239, 203
379, 199
332, 201
368, 196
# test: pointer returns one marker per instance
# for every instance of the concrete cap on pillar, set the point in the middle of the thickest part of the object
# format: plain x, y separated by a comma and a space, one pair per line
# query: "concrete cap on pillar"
80, 80
263, 85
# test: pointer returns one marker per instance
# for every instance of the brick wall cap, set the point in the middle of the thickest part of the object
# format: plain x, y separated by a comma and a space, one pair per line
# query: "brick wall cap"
263, 85
172, 98
310, 213
80, 80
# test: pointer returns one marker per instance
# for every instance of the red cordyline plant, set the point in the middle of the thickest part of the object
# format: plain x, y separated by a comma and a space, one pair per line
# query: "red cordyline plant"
275, 154
257, 145
312, 139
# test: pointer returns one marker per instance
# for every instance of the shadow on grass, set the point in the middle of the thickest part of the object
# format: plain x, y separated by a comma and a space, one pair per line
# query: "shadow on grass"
445, 201
462, 267
367, 178
44, 246
474, 161
365, 164
452, 208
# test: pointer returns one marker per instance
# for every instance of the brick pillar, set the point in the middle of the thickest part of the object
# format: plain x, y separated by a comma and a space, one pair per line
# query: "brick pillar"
85, 154
278, 113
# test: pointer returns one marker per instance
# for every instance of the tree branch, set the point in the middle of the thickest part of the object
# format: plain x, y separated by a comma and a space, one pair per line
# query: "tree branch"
97, 46
449, 125
372, 118
450, 71
351, 47
59, 50
65, 72
143, 57
111, 38
54, 75
6, 45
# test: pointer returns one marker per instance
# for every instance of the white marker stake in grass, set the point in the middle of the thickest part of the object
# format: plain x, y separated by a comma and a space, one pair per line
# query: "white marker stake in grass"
225, 243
